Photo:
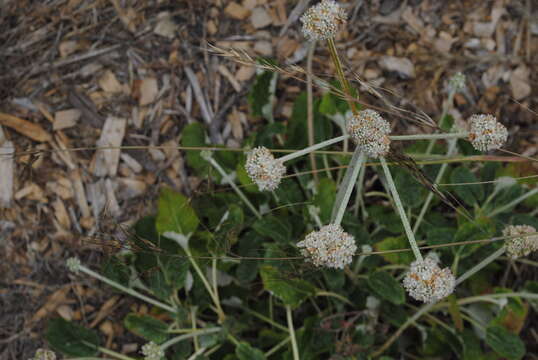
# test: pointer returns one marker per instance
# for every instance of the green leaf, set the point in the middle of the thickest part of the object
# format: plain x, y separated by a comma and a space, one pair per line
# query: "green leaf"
116, 270
273, 227
291, 291
245, 180
262, 93
71, 339
147, 327
505, 343
394, 243
481, 228
175, 213
470, 194
324, 198
193, 135
387, 287
440, 235
246, 352
412, 193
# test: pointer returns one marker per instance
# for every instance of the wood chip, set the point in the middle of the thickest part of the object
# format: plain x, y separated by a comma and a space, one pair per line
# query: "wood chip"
61, 214
7, 151
131, 162
25, 127
260, 18
245, 73
66, 118
130, 188
519, 82
223, 70
165, 27
105, 161
67, 48
80, 195
403, 66
236, 11
109, 83
111, 202
148, 91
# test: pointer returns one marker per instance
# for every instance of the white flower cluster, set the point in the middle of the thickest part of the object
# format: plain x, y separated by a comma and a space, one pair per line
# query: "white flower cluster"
322, 21
330, 247
427, 282
73, 264
370, 132
43, 354
520, 246
456, 83
152, 351
486, 133
264, 169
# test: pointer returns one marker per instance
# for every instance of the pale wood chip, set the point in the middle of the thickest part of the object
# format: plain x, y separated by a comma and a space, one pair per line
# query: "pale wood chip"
519, 82
97, 197
402, 66
131, 188
61, 214
111, 201
148, 91
62, 187
236, 11
66, 118
105, 161
223, 70
260, 18
68, 47
109, 83
105, 310
7, 151
80, 195
131, 162
245, 73
165, 27
32, 191
25, 127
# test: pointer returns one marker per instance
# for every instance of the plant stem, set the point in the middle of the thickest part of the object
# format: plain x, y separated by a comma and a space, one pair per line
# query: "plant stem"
347, 185
312, 148
480, 265
126, 290
294, 346
335, 295
399, 207
277, 347
265, 318
443, 136
514, 202
429, 198
340, 73
447, 107
238, 191
190, 335
310, 107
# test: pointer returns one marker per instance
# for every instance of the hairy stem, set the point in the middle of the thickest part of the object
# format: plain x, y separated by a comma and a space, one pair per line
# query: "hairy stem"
340, 72
347, 185
294, 346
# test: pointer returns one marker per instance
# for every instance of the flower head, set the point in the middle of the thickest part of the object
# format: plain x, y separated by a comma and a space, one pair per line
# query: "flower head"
322, 21
152, 351
486, 133
73, 264
456, 83
427, 282
520, 246
264, 169
330, 247
43, 354
370, 132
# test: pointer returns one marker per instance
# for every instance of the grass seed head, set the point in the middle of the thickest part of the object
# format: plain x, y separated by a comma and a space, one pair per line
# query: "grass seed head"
486, 133
322, 21
427, 282
520, 246
370, 132
330, 247
264, 169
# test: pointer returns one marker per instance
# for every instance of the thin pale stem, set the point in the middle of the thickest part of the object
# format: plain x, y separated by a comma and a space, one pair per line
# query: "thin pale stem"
429, 198
443, 136
310, 106
480, 265
238, 191
294, 346
399, 207
340, 72
347, 185
312, 148
190, 335
334, 295
446, 108
514, 202
126, 290
277, 347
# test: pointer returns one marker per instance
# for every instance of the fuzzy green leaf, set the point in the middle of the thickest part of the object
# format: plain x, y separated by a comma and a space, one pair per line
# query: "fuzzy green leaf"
71, 339
175, 213
273, 227
470, 194
387, 287
246, 352
505, 343
147, 327
291, 291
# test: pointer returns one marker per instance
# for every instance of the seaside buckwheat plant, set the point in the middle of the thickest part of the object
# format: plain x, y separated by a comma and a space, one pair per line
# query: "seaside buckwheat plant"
44, 354
427, 282
520, 246
264, 169
331, 247
370, 132
323, 20
486, 133
236, 271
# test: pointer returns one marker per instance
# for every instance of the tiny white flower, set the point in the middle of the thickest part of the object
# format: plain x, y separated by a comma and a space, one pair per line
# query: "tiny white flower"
370, 132
264, 169
43, 354
73, 264
330, 247
520, 246
427, 282
322, 21
152, 351
486, 133
456, 83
